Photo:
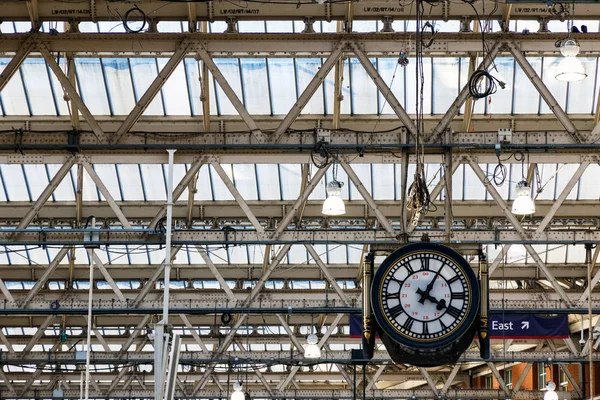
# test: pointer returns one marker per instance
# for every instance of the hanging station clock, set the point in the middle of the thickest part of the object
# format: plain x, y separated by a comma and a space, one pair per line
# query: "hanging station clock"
425, 299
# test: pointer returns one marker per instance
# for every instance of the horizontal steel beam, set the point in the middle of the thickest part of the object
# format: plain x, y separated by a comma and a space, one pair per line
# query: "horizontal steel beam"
570, 212
285, 44
476, 236
206, 301
300, 394
272, 357
104, 10
244, 272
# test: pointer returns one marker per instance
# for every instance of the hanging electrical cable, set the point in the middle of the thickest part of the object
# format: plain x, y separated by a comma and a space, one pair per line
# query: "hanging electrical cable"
418, 199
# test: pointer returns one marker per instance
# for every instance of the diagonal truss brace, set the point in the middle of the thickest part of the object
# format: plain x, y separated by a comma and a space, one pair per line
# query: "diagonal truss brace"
106, 274
72, 92
309, 91
517, 226
106, 193
211, 266
385, 223
15, 63
544, 92
152, 91
227, 89
384, 89
39, 284
462, 96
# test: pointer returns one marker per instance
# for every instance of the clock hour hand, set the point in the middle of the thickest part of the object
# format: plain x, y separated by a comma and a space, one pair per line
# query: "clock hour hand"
425, 293
441, 304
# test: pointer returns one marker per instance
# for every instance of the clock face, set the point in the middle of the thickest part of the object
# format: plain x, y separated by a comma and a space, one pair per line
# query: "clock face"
425, 295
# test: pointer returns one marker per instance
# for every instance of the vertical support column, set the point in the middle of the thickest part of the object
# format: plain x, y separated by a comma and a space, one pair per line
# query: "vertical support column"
588, 261
484, 339
88, 345
448, 214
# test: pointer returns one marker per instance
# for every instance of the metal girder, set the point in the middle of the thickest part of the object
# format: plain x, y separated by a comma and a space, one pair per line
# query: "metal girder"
141, 236
545, 92
462, 96
105, 10
277, 357
151, 92
71, 91
46, 193
384, 89
106, 193
309, 91
227, 89
268, 44
107, 276
325, 394
15, 63
41, 281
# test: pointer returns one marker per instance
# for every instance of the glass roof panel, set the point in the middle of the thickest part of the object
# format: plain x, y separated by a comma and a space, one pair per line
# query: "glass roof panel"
298, 255
364, 92
306, 69
256, 253
245, 176
38, 255
321, 250
131, 182
526, 98
230, 69
445, 83
251, 26
137, 255
473, 189
256, 87
175, 90
108, 175
119, 84
458, 180
384, 181
268, 182
548, 180
154, 181
363, 171
218, 255
179, 171
13, 99
36, 178
204, 185
556, 87
193, 77
14, 181
501, 101
193, 254
219, 189
90, 192
290, 178
556, 254
90, 80
576, 254
562, 178
283, 84
581, 94
280, 26
37, 83
143, 73
336, 254
63, 108
588, 184
171, 26
238, 255
156, 255
411, 86
18, 255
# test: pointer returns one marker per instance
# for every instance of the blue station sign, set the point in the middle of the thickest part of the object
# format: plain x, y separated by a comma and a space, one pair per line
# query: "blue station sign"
507, 326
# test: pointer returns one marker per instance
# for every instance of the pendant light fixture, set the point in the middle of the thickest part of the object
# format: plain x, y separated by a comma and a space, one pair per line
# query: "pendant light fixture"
524, 203
312, 350
333, 204
550, 393
237, 393
570, 68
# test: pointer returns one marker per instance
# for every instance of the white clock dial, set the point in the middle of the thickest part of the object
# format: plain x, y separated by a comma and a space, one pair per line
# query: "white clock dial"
425, 296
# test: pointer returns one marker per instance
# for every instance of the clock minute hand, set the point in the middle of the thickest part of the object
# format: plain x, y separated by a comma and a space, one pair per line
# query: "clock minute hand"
425, 293
441, 304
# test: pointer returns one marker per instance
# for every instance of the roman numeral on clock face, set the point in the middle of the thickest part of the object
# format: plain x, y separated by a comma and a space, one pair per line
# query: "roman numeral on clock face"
425, 328
453, 279
396, 310
425, 263
458, 296
408, 323
453, 311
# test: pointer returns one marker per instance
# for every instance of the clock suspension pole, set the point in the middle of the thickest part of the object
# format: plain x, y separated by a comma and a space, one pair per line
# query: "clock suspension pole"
368, 337
484, 338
